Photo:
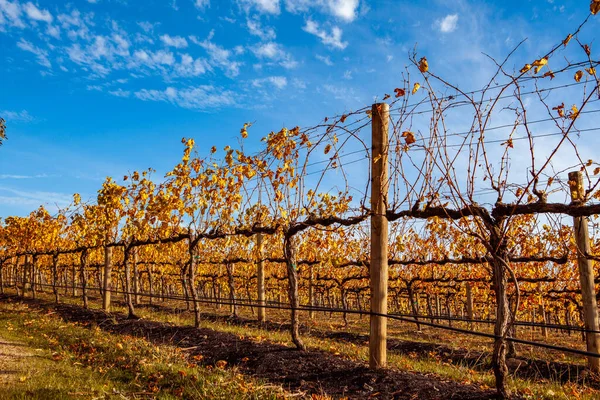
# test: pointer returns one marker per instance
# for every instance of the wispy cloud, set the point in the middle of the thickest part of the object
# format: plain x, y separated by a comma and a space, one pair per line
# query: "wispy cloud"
42, 55
201, 4
34, 198
277, 81
255, 28
263, 6
324, 59
38, 176
219, 56
345, 10
203, 97
331, 39
16, 116
36, 14
174, 41
275, 52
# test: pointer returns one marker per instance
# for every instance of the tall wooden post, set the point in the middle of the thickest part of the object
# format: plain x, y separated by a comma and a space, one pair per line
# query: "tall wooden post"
107, 278
586, 272
260, 274
379, 235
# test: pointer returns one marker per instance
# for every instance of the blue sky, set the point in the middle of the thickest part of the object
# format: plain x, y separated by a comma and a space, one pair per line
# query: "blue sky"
98, 88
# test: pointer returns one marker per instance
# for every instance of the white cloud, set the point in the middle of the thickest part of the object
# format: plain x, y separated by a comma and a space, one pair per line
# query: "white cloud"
147, 26
16, 116
345, 10
343, 93
255, 28
190, 67
325, 59
53, 31
76, 25
219, 56
11, 176
298, 83
11, 12
36, 14
448, 23
201, 4
42, 55
203, 97
153, 59
332, 39
120, 93
347, 75
35, 198
264, 6
275, 52
268, 50
278, 81
174, 41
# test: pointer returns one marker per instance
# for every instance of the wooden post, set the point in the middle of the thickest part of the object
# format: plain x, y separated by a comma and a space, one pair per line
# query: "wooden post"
379, 235
260, 274
74, 273
311, 293
470, 304
107, 278
586, 272
136, 277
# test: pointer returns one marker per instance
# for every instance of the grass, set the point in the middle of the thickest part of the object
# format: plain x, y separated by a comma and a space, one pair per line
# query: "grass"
70, 361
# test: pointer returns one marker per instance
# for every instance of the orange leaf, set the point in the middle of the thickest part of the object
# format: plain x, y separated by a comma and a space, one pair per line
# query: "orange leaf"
399, 92
595, 6
409, 137
423, 65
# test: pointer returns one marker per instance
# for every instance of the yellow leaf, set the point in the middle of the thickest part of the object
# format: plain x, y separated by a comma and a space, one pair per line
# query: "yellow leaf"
567, 40
578, 75
416, 87
538, 64
574, 112
244, 131
591, 71
423, 65
526, 68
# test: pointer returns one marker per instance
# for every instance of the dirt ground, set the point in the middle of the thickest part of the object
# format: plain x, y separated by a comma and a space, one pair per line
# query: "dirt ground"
306, 373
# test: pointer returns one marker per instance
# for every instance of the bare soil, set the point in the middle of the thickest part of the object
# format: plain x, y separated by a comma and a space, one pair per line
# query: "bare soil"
308, 373
521, 367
